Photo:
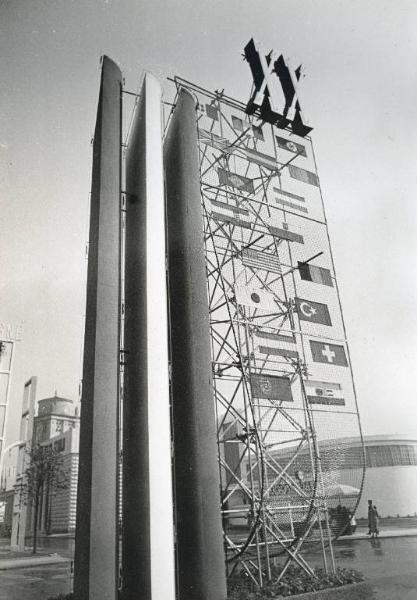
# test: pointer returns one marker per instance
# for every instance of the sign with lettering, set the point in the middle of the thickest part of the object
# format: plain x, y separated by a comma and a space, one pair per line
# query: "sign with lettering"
276, 98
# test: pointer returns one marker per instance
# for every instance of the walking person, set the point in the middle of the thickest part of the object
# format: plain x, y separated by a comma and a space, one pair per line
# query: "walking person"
376, 520
352, 524
373, 518
369, 516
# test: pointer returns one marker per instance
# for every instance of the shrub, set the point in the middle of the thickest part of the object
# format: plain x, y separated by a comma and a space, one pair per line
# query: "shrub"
295, 581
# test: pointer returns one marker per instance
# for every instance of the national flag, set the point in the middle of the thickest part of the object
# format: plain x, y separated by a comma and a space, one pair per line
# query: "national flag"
271, 387
230, 214
240, 124
275, 344
260, 260
255, 298
243, 125
232, 458
291, 146
261, 159
283, 230
303, 175
320, 392
286, 203
316, 274
240, 182
315, 312
289, 194
226, 146
258, 134
212, 112
291, 205
331, 354
218, 142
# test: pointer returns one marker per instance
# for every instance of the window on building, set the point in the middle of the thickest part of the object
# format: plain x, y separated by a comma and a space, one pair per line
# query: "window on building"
59, 445
379, 456
406, 455
390, 456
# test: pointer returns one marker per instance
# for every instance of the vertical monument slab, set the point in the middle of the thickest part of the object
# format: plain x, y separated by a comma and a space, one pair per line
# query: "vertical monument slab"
200, 555
148, 538
96, 570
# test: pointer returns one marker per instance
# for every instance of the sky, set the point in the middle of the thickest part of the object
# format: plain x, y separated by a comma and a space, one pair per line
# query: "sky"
360, 95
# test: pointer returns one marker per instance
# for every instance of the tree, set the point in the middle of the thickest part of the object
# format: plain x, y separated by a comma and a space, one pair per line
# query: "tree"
45, 471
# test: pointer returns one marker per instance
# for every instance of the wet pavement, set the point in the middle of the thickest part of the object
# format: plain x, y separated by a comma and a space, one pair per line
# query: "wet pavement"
377, 557
390, 564
38, 583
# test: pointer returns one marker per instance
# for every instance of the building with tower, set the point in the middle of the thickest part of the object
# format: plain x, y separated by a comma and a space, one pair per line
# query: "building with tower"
57, 424
55, 416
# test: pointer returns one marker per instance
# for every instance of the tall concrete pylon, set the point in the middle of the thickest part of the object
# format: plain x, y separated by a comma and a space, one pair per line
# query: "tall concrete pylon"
148, 531
162, 323
200, 553
96, 543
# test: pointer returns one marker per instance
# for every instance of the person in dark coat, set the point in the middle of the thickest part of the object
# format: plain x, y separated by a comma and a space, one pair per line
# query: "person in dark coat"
374, 522
370, 509
373, 519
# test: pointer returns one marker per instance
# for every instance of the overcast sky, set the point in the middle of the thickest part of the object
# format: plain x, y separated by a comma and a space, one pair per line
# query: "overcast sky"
360, 94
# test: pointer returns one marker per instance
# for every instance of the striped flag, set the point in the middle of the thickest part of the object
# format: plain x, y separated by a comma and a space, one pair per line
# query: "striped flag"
275, 344
260, 260
244, 184
316, 274
303, 175
225, 145
291, 146
331, 354
261, 159
320, 392
290, 200
255, 298
283, 230
271, 387
230, 214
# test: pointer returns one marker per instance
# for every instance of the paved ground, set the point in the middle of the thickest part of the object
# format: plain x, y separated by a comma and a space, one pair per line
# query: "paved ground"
35, 583
389, 563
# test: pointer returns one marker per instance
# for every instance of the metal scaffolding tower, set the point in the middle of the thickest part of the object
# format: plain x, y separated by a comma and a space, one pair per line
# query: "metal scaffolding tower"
284, 392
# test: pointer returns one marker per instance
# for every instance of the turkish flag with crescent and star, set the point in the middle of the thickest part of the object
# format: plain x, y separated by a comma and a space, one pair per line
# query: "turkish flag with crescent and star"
315, 312
331, 354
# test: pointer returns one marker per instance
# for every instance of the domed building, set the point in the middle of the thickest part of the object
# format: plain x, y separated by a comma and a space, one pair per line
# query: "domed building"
389, 480
390, 476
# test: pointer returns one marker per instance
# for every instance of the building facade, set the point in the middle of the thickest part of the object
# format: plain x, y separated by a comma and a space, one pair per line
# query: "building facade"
57, 424
391, 475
